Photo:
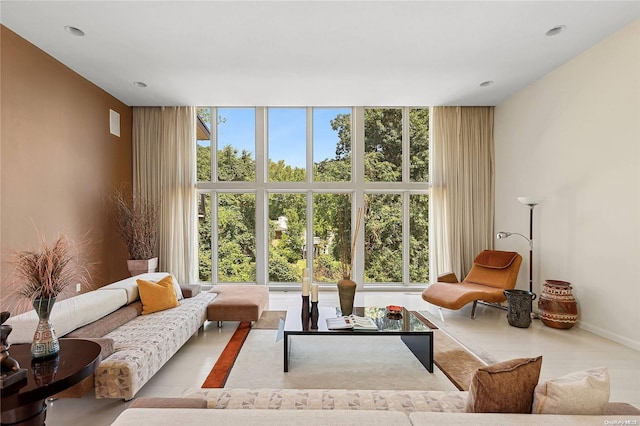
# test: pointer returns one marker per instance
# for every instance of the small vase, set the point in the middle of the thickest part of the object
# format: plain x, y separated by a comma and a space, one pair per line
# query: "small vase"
45, 342
557, 307
304, 315
346, 293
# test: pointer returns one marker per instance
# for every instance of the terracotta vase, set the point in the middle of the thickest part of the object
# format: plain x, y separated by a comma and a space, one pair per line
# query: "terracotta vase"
557, 306
346, 293
137, 267
45, 342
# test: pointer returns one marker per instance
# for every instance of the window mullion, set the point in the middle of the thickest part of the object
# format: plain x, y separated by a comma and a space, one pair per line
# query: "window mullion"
262, 201
357, 156
406, 132
214, 144
406, 177
406, 237
309, 162
214, 237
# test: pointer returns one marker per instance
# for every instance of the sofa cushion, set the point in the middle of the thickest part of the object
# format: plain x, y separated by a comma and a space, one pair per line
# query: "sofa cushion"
406, 401
157, 296
189, 416
501, 419
582, 392
190, 290
159, 402
144, 344
131, 286
68, 314
495, 259
505, 387
108, 323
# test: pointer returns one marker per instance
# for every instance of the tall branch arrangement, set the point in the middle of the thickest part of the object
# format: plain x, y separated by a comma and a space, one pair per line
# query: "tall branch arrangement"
136, 222
346, 252
48, 272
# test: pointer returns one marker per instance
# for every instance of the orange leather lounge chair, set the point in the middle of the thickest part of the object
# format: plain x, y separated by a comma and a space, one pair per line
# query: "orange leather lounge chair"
492, 272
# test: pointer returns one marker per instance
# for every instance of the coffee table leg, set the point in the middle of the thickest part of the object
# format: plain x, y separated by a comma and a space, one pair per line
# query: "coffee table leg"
422, 348
286, 352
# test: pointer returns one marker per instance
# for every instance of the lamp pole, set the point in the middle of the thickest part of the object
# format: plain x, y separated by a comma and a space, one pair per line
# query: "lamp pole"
531, 206
531, 202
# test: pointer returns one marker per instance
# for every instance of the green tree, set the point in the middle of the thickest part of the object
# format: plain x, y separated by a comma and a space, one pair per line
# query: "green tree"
383, 212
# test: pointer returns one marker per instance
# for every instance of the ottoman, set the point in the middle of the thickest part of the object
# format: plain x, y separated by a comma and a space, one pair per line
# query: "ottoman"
238, 303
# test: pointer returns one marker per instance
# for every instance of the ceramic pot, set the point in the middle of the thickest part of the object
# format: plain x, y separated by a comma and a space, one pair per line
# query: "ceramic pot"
45, 342
557, 306
137, 267
346, 293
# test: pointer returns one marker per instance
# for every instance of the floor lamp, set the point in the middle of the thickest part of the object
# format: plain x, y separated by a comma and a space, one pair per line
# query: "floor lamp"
531, 202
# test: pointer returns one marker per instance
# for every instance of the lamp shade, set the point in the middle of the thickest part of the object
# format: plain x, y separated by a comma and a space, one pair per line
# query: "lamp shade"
531, 201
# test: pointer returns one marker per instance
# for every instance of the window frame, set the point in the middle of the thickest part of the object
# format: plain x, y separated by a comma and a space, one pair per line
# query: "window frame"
358, 187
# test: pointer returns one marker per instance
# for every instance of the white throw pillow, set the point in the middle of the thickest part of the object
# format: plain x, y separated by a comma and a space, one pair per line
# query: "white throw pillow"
580, 393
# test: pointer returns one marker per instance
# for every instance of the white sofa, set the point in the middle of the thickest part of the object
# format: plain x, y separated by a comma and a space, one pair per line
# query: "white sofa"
139, 345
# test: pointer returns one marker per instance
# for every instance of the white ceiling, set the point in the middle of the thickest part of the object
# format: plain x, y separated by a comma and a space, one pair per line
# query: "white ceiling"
317, 53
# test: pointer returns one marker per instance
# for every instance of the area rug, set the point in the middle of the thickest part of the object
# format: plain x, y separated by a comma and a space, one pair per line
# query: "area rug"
456, 361
269, 320
381, 362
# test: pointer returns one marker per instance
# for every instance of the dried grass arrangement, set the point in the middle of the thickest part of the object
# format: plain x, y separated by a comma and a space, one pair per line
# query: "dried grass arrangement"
48, 272
346, 258
136, 222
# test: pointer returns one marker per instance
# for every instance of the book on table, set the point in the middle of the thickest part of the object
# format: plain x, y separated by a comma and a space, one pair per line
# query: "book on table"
351, 322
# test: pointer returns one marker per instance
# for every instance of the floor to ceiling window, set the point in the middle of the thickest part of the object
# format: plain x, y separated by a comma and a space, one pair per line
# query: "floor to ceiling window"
282, 189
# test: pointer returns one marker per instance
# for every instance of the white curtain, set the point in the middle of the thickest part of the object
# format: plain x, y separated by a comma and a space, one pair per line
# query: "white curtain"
164, 169
462, 186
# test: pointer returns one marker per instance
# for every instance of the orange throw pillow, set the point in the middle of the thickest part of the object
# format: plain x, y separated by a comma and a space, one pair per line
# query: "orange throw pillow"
157, 296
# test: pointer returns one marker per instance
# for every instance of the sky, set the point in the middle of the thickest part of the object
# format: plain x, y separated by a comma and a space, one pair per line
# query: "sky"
286, 132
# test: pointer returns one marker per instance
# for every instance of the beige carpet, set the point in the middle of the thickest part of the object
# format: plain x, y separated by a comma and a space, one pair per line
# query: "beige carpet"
331, 362
452, 358
269, 320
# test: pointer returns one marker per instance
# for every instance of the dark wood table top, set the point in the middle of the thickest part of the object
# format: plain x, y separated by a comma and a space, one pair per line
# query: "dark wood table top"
76, 360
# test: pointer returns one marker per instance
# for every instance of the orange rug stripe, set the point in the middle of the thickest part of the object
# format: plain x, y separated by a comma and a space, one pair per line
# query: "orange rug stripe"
220, 371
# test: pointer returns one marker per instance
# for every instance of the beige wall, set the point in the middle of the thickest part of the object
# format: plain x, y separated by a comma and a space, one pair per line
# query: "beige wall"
574, 137
58, 160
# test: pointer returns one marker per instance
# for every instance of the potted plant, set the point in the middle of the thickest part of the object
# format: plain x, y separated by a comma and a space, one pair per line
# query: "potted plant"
136, 221
40, 276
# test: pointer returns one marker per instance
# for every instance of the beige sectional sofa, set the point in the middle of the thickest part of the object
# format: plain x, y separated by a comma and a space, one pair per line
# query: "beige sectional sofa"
135, 346
238, 417
341, 407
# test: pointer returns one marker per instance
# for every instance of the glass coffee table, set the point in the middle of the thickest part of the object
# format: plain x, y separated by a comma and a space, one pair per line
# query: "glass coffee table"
413, 332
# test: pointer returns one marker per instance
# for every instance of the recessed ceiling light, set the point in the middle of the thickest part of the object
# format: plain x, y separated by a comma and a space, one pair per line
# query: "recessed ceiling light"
487, 83
74, 31
139, 84
556, 30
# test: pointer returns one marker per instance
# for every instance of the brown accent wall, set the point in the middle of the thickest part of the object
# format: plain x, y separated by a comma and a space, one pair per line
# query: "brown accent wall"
58, 160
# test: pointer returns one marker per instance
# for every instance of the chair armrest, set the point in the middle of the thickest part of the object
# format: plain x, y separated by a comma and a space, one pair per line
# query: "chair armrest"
449, 277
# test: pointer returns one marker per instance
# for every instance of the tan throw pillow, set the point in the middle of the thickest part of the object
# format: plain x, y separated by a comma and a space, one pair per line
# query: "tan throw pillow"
582, 393
505, 387
157, 296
